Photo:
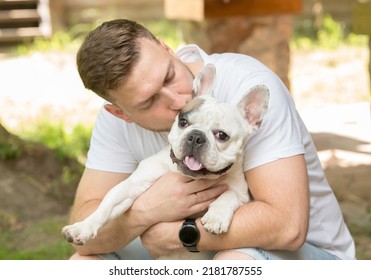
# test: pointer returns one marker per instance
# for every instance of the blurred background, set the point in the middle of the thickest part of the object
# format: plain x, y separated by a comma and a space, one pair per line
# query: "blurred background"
320, 49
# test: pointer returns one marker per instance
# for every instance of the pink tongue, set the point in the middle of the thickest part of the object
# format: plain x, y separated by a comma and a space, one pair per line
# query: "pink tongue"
193, 164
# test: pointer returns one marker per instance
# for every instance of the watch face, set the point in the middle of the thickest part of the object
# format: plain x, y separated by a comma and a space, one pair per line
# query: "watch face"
189, 235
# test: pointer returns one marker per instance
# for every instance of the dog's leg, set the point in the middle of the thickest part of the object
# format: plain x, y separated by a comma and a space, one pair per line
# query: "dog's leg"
119, 199
219, 215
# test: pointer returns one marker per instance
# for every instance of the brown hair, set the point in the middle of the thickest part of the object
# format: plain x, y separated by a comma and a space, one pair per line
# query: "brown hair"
108, 54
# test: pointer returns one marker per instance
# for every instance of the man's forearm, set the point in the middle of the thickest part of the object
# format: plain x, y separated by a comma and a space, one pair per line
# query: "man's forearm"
248, 230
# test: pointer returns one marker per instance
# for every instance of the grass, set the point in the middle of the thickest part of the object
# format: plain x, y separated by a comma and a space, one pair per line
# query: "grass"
68, 142
8, 150
39, 241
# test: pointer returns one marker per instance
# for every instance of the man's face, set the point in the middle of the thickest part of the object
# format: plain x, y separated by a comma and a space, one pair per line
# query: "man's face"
158, 88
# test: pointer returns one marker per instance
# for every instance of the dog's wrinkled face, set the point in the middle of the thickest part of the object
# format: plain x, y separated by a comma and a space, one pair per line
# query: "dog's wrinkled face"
208, 136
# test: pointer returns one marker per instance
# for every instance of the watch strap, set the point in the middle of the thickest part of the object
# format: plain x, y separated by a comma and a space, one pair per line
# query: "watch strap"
190, 221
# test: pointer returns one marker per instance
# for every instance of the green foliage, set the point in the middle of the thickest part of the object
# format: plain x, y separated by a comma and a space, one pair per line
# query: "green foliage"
166, 30
60, 41
9, 150
70, 40
9, 146
67, 142
64, 40
331, 35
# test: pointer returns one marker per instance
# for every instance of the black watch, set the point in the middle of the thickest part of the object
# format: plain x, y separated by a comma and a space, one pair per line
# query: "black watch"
189, 235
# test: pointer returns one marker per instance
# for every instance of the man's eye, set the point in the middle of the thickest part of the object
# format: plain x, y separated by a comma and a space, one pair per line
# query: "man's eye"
222, 136
182, 122
149, 103
169, 78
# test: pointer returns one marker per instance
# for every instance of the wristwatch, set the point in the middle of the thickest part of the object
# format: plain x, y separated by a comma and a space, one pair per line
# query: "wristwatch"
189, 235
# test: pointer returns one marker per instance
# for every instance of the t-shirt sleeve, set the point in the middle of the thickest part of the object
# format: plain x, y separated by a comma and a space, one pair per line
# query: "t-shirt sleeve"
109, 149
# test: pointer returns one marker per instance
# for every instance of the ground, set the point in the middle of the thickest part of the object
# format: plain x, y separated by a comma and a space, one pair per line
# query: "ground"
330, 88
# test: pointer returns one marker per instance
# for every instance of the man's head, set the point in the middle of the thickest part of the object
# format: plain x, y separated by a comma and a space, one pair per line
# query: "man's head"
109, 53
140, 75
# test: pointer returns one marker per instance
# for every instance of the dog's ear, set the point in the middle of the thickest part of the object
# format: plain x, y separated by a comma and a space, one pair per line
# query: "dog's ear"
204, 81
254, 105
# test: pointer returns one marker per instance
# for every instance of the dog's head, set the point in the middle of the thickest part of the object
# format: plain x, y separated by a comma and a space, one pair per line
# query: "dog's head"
208, 136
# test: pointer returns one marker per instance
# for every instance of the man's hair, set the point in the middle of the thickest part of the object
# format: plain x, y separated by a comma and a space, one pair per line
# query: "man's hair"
108, 54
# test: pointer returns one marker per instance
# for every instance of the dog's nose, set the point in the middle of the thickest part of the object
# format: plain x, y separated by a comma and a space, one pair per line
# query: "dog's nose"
196, 139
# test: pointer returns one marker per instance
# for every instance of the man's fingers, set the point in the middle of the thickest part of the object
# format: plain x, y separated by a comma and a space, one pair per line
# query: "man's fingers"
210, 193
200, 207
200, 201
203, 184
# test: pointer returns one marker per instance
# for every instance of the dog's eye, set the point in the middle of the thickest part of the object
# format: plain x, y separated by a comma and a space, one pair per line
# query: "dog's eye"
222, 136
182, 122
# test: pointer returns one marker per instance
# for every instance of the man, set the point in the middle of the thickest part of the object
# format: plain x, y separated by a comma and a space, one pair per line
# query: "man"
294, 213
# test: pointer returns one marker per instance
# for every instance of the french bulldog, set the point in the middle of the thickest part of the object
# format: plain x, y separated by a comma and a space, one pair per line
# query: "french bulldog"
206, 140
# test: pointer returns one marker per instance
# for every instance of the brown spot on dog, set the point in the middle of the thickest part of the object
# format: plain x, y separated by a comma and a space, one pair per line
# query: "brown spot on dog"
194, 104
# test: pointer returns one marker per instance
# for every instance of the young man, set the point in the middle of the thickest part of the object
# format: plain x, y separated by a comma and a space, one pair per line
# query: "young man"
294, 213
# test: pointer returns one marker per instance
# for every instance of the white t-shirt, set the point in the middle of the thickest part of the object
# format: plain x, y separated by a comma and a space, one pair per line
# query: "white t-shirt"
117, 146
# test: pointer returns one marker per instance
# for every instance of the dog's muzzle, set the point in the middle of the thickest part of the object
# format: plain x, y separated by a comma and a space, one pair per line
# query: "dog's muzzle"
196, 139
183, 167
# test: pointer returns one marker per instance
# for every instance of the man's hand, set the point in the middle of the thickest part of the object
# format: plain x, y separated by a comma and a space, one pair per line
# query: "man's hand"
170, 200
174, 197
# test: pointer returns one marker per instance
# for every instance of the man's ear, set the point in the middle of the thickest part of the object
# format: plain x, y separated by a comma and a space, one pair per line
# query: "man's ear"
165, 46
118, 112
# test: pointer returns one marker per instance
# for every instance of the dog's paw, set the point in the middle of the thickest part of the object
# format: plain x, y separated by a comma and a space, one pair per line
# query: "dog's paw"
216, 221
79, 233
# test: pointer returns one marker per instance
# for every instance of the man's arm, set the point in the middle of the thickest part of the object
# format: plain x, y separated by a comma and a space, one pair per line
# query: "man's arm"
93, 186
171, 198
277, 218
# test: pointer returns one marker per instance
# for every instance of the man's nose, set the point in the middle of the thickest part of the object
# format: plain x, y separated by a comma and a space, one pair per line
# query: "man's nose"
176, 101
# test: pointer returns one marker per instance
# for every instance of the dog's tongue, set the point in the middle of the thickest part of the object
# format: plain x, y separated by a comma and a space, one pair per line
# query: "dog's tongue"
193, 164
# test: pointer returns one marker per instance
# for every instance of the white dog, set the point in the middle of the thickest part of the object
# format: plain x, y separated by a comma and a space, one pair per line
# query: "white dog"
206, 140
